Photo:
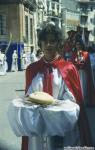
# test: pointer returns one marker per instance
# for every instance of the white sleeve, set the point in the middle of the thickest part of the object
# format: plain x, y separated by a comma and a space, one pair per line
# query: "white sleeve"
65, 93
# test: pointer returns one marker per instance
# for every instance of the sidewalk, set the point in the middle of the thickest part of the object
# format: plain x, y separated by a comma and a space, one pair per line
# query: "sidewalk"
8, 84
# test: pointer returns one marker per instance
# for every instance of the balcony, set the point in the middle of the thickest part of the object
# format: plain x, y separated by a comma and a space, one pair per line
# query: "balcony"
53, 13
17, 1
85, 1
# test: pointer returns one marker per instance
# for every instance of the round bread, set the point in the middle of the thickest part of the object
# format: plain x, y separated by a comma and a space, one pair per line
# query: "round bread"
41, 98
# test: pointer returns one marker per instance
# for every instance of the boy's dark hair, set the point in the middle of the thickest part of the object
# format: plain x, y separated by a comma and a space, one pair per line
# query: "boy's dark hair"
50, 28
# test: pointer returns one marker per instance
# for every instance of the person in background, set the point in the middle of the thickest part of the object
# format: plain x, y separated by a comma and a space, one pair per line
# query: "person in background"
78, 35
92, 59
69, 45
28, 58
81, 59
59, 78
3, 63
14, 61
23, 60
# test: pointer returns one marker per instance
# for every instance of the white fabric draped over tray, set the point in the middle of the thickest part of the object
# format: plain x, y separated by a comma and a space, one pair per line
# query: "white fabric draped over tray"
30, 120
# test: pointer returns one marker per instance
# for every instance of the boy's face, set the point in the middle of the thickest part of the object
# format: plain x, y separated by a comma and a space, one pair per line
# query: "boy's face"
49, 47
50, 43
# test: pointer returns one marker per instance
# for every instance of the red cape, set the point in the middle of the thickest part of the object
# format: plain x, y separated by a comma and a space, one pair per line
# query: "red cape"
67, 70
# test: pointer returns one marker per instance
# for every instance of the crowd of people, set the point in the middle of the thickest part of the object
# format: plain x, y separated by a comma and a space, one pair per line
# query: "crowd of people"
76, 50
26, 58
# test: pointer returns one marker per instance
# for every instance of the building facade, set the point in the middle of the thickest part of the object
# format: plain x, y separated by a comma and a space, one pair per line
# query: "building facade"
17, 27
70, 16
16, 18
87, 16
20, 19
71, 19
53, 11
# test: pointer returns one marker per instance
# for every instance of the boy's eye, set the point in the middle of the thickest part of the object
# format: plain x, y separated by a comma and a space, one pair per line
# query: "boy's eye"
50, 42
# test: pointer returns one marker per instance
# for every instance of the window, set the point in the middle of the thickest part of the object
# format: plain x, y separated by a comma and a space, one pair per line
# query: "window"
83, 19
93, 32
31, 30
55, 0
26, 28
92, 20
2, 25
47, 6
53, 6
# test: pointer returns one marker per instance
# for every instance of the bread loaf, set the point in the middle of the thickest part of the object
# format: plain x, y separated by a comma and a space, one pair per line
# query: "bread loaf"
41, 98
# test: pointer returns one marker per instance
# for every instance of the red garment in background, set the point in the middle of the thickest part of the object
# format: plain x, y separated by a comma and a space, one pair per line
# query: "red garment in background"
71, 78
68, 46
86, 66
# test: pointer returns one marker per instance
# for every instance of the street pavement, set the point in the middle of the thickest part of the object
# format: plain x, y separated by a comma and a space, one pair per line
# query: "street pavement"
10, 86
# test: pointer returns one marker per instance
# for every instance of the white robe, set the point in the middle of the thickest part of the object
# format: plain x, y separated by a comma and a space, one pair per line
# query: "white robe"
3, 64
23, 61
61, 92
14, 62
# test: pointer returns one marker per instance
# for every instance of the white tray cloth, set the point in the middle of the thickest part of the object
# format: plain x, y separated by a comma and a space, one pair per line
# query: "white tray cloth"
30, 120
